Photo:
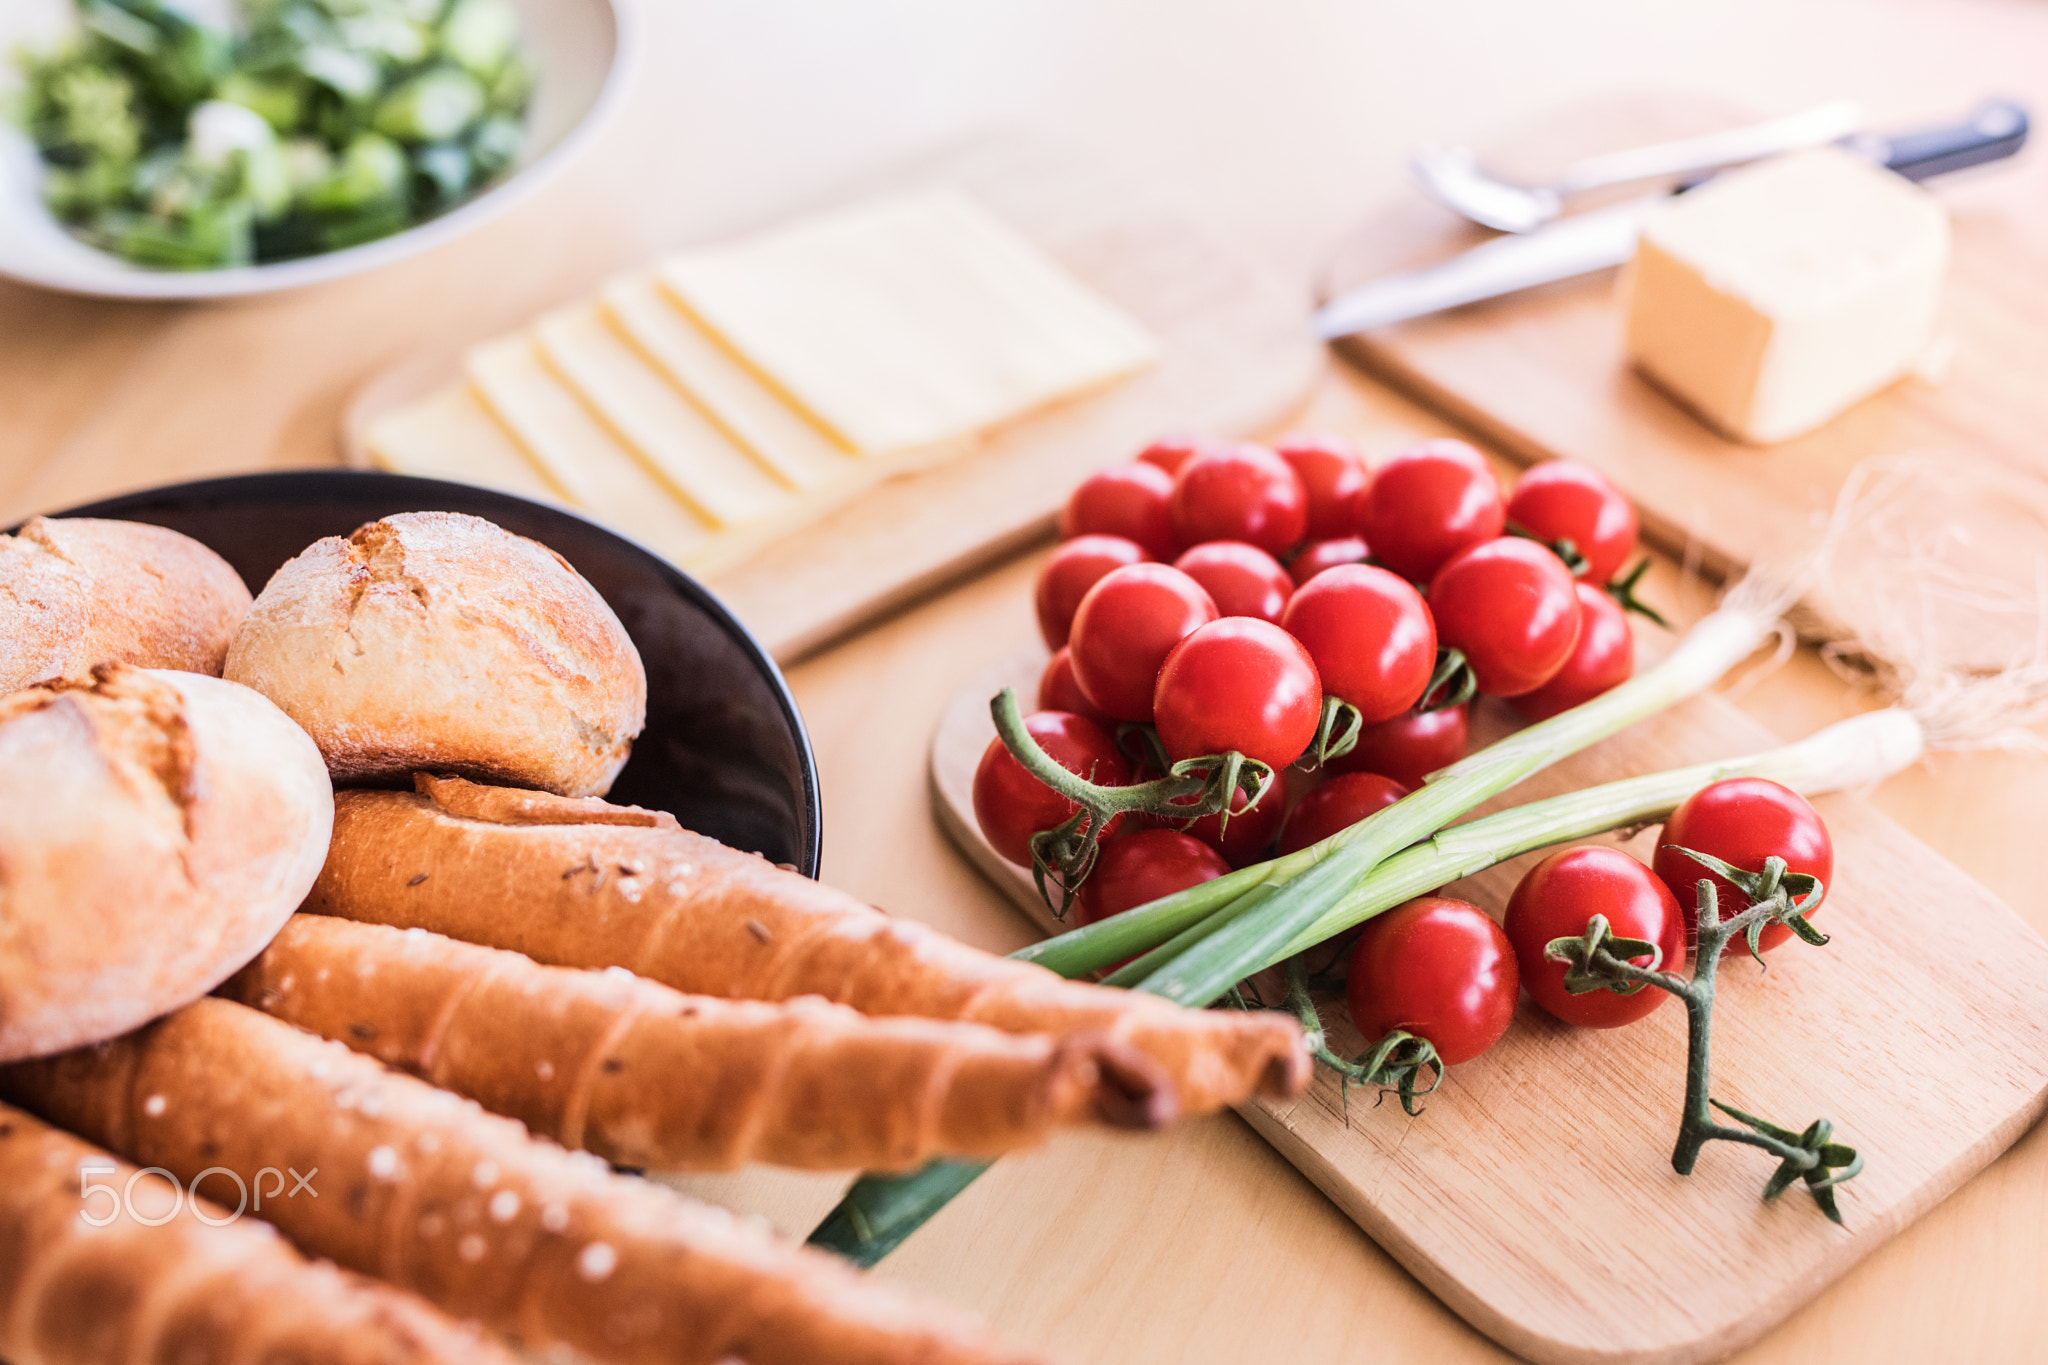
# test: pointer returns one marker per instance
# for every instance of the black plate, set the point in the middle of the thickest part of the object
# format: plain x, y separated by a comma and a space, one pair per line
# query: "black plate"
724, 749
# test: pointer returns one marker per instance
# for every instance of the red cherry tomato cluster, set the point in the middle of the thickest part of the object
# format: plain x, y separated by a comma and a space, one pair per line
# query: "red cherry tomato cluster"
1220, 592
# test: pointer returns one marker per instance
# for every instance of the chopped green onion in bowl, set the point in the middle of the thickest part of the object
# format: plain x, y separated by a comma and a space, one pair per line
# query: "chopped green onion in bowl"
306, 127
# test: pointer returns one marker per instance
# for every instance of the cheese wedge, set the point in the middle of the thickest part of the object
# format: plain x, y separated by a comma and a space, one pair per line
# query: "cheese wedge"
781, 438
600, 475
653, 419
907, 322
1775, 296
450, 435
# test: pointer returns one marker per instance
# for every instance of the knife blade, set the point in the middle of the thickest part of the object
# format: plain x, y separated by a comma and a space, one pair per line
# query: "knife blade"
1588, 242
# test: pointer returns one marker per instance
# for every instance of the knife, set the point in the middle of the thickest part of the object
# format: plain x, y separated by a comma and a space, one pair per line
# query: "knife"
1592, 241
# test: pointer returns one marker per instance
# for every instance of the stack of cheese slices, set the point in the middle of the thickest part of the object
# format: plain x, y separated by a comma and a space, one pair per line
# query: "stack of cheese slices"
734, 393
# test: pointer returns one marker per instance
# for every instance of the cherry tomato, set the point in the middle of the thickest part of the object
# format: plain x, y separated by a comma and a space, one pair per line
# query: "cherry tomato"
1556, 898
1171, 452
1319, 555
1123, 630
1243, 492
1604, 656
1251, 829
1741, 821
1076, 566
1437, 968
1243, 579
1408, 748
1564, 500
1128, 500
1510, 605
1337, 804
1011, 805
1370, 635
1142, 866
1333, 475
1057, 691
1426, 504
1238, 683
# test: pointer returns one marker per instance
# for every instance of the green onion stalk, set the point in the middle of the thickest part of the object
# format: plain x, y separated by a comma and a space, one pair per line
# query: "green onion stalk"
1260, 911
879, 1212
1223, 932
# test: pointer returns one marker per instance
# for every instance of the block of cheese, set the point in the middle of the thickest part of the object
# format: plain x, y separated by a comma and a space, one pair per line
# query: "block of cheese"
908, 321
1775, 296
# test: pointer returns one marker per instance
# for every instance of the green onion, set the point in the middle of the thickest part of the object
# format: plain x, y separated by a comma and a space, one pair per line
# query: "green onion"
1318, 877
879, 1212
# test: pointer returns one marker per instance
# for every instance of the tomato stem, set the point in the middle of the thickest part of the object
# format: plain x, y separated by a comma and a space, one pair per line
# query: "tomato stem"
1336, 734
1623, 590
1395, 1061
1565, 548
1065, 855
1600, 961
1453, 676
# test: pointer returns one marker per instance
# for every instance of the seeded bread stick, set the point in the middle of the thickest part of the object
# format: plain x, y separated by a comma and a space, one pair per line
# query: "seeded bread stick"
93, 1278
424, 1190
581, 883
648, 1076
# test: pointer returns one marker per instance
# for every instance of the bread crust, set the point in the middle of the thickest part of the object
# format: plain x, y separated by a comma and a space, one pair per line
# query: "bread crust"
156, 828
439, 640
78, 591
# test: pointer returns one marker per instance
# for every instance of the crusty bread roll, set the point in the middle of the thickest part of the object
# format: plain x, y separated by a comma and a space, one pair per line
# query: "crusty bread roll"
438, 640
79, 591
156, 829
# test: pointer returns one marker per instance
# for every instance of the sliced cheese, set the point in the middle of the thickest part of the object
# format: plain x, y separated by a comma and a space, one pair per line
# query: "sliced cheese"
561, 435
450, 435
1775, 296
907, 322
798, 453
653, 419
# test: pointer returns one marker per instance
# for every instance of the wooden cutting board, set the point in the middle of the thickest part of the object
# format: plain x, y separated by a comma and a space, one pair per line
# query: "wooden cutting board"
1542, 375
1236, 356
1534, 1195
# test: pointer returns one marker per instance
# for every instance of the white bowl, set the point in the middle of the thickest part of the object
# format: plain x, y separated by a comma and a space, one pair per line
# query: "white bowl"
585, 51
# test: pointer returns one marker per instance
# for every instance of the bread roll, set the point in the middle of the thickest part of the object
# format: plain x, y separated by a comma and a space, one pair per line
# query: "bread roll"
438, 640
156, 829
80, 591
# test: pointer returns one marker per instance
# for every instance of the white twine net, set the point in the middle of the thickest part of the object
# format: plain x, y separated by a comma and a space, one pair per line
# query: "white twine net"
1933, 574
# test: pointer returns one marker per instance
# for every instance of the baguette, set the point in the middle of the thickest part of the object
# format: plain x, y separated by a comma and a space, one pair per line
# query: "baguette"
647, 1076
200, 1288
426, 1191
582, 883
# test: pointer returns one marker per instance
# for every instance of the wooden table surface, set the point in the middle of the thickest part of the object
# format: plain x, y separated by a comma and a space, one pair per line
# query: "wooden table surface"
1286, 122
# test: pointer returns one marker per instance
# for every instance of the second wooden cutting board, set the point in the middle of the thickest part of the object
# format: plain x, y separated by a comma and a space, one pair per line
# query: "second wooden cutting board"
1534, 1195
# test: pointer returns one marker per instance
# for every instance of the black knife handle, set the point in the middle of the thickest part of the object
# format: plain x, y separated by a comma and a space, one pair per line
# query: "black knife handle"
1996, 130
